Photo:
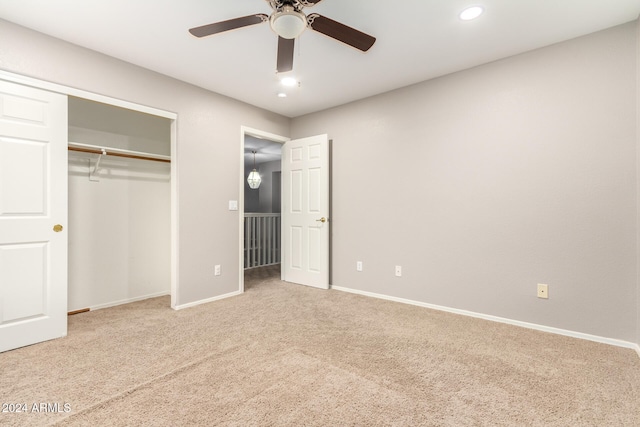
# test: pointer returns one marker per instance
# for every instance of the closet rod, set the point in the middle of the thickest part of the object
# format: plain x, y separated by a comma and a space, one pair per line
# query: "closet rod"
85, 148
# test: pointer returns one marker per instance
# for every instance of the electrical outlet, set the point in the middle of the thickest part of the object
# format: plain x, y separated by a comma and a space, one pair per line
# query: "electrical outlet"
543, 291
359, 266
217, 270
398, 271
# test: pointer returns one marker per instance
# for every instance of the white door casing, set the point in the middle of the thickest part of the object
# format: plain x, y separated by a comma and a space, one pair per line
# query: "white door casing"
33, 202
305, 211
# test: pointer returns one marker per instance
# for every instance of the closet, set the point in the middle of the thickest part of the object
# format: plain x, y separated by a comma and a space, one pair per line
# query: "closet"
119, 205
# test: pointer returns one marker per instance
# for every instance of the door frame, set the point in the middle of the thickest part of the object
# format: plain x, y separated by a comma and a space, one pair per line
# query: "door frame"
247, 131
78, 93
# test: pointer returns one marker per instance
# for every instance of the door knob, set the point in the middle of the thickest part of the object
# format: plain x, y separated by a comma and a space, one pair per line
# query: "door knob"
322, 220
57, 228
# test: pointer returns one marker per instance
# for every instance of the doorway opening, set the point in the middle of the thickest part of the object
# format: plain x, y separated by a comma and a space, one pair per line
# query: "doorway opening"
260, 225
119, 199
305, 208
262, 203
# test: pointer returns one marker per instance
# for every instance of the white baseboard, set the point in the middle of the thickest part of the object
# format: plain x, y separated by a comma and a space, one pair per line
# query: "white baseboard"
603, 340
204, 301
128, 300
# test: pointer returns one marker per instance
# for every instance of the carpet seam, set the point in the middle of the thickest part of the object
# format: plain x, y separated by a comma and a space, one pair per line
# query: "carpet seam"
145, 383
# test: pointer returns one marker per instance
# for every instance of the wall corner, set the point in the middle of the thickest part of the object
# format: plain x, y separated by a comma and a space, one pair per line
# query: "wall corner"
637, 135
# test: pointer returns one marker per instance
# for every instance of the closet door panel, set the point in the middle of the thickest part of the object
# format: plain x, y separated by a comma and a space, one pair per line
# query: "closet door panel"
23, 177
33, 215
26, 265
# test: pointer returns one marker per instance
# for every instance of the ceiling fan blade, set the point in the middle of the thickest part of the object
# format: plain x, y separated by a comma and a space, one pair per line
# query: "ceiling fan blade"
285, 54
340, 32
231, 24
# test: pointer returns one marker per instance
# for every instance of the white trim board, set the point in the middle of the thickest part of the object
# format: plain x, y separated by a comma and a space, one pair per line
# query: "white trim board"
558, 331
127, 301
67, 90
204, 301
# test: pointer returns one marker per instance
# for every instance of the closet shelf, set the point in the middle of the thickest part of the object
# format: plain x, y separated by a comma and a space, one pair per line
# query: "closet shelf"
94, 149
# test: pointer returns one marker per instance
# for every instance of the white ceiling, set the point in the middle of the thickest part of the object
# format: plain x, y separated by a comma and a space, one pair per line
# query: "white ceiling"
416, 40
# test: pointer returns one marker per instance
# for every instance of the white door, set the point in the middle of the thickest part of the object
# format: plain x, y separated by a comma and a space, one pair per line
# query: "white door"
305, 211
33, 214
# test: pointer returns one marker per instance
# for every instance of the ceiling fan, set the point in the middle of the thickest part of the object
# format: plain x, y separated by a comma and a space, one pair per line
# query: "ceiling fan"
288, 21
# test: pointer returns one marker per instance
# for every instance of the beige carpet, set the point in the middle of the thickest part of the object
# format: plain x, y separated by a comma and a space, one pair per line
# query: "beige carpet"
288, 355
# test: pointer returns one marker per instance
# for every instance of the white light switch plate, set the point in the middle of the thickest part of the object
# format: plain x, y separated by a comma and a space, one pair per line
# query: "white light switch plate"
233, 205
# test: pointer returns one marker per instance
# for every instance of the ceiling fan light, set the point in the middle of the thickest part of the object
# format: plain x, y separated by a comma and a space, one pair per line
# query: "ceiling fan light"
289, 81
288, 23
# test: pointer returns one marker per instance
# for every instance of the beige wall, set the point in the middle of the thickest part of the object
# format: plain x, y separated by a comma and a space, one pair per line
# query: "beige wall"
208, 138
484, 183
481, 184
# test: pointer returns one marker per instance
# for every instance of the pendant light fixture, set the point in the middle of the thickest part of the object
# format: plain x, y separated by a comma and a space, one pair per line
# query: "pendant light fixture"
254, 179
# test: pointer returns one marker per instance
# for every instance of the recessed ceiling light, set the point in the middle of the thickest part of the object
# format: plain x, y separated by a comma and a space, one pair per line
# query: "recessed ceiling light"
471, 12
282, 95
289, 81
